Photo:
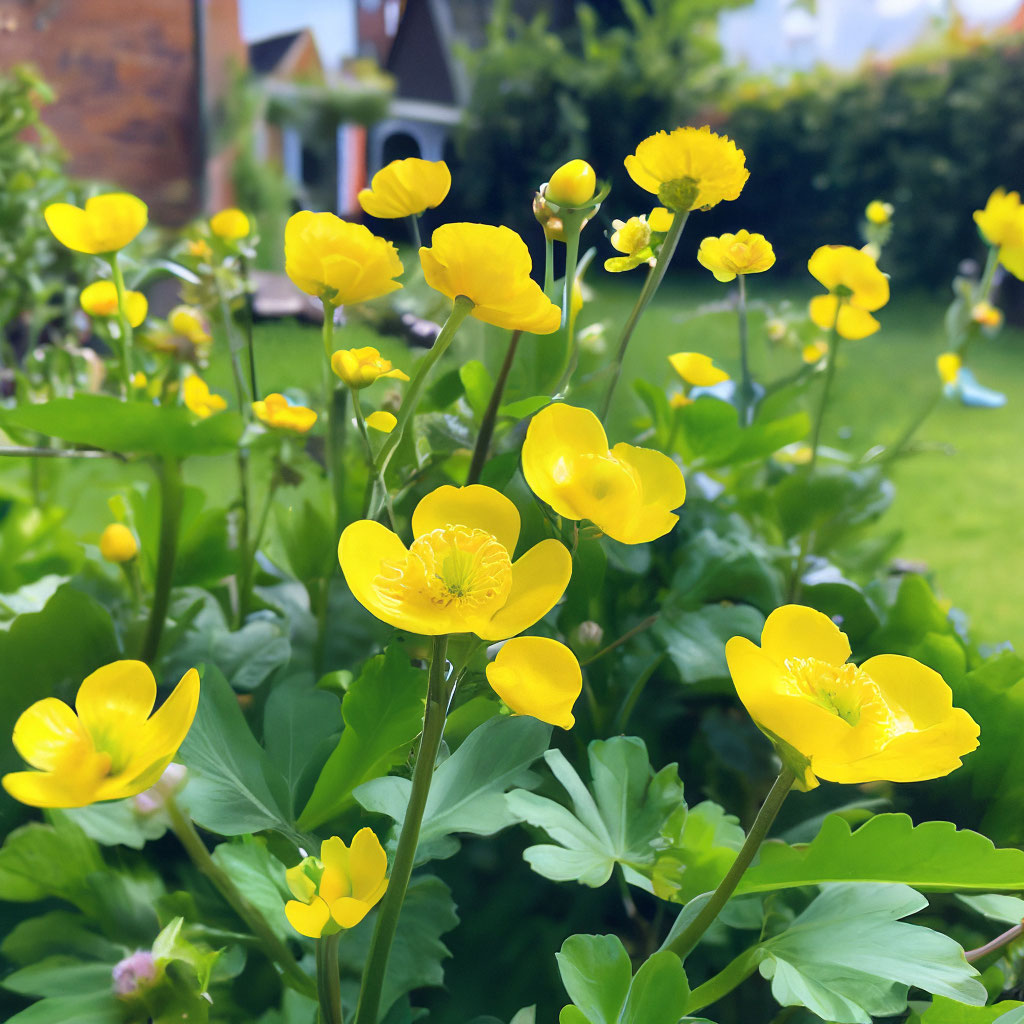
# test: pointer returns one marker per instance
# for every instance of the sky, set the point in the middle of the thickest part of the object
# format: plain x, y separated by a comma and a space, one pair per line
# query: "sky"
333, 22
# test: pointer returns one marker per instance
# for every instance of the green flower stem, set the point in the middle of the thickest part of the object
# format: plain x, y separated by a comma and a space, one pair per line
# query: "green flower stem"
730, 977
243, 269
246, 554
974, 955
683, 943
126, 327
414, 222
745, 397
572, 221
830, 372
438, 695
244, 403
460, 310
654, 278
172, 494
549, 265
483, 439
331, 447
275, 949
376, 478
328, 981
638, 628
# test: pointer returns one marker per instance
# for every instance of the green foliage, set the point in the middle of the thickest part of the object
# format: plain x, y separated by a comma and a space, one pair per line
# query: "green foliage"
933, 856
597, 974
618, 822
103, 421
859, 927
383, 714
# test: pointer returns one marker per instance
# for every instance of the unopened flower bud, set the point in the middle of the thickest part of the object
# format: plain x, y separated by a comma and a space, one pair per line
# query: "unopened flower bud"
134, 974
589, 633
118, 544
572, 185
171, 782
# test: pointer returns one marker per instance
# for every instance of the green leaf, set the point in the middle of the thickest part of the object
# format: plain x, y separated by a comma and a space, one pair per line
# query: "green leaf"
61, 976
1006, 909
96, 1009
58, 932
596, 972
933, 856
39, 860
950, 1011
118, 823
298, 720
102, 421
477, 384
710, 432
233, 787
619, 824
659, 992
702, 845
383, 715
260, 877
848, 957
468, 790
696, 639
417, 952
524, 407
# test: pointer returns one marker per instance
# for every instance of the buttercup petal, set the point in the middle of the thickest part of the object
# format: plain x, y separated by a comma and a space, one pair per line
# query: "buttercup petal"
795, 631
697, 369
539, 579
77, 788
48, 734
348, 911
662, 488
368, 864
69, 226
538, 677
116, 699
165, 731
916, 688
475, 506
308, 919
336, 880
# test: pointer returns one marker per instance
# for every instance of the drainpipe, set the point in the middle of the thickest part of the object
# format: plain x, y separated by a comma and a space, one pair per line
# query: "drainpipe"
202, 120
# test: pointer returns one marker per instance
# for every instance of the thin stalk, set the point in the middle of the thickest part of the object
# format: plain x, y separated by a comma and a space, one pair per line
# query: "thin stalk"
549, 265
460, 310
830, 372
244, 404
245, 554
573, 227
275, 949
15, 451
654, 278
414, 222
998, 942
171, 500
572, 354
376, 477
330, 440
633, 697
328, 979
483, 439
732, 975
628, 635
243, 268
683, 943
126, 327
746, 392
391, 905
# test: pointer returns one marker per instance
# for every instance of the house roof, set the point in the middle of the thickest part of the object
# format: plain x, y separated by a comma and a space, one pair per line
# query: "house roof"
266, 54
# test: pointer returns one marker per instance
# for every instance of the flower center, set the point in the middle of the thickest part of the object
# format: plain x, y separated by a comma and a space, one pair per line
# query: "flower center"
452, 566
844, 690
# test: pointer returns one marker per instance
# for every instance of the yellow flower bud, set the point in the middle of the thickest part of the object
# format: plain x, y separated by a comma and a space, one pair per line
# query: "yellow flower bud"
741, 253
948, 364
572, 185
878, 212
360, 367
276, 411
118, 544
230, 224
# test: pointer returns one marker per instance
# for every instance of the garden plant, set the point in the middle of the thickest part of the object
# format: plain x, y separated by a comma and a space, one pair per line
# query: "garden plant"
634, 720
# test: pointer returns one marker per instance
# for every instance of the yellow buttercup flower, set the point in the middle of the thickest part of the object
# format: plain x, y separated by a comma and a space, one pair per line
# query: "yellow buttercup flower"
139, 380
198, 397
537, 677
741, 253
491, 267
878, 212
633, 237
339, 888
856, 288
679, 400
382, 420
111, 749
986, 315
118, 544
889, 719
572, 185
338, 262
406, 188
814, 351
697, 369
360, 367
948, 364
190, 323
199, 249
628, 492
100, 299
1001, 223
106, 224
689, 168
458, 575
660, 219
230, 224
276, 411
